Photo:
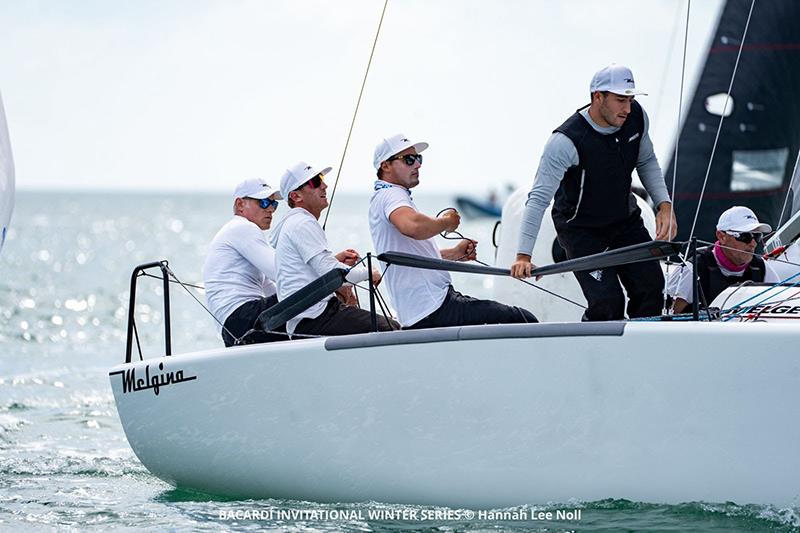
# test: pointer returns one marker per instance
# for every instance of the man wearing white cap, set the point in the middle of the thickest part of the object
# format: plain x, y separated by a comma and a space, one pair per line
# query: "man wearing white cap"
422, 298
730, 261
239, 271
303, 255
587, 166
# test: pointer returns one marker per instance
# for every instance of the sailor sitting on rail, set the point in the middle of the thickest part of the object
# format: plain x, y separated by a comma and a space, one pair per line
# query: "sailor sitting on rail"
423, 298
239, 271
730, 261
303, 255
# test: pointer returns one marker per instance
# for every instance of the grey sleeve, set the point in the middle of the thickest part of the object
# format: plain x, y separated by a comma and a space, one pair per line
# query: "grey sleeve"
648, 168
559, 155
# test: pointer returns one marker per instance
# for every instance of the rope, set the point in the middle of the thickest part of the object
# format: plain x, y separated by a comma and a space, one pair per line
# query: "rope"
722, 119
446, 235
677, 142
355, 113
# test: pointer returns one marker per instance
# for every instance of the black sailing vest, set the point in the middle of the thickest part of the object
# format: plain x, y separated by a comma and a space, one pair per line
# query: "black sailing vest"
597, 192
713, 281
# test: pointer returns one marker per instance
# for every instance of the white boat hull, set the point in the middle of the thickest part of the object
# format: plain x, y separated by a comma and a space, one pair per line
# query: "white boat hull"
657, 412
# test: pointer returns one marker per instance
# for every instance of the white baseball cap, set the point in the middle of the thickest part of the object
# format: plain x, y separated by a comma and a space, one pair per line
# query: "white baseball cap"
617, 79
741, 218
297, 175
255, 188
392, 146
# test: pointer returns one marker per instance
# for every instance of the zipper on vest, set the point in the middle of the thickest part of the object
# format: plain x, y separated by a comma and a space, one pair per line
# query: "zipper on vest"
580, 197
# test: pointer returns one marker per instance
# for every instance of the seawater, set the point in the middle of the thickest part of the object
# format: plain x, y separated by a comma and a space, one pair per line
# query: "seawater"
64, 460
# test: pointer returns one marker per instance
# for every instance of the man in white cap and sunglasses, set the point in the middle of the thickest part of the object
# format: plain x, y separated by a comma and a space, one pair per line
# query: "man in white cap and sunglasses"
587, 166
303, 255
423, 298
239, 272
730, 261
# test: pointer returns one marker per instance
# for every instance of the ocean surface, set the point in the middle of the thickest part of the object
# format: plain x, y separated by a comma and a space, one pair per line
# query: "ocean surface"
64, 460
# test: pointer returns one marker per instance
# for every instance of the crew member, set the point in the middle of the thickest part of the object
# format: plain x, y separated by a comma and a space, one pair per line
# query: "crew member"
423, 298
303, 255
730, 261
239, 272
587, 165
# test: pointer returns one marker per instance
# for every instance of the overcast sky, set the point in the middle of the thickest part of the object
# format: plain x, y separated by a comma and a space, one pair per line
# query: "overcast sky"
197, 94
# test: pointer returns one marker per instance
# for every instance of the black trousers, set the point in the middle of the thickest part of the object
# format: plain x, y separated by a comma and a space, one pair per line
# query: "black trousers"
644, 282
460, 310
242, 319
340, 319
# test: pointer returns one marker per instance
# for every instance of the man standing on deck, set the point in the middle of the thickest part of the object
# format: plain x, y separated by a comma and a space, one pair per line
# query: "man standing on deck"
587, 165
303, 255
239, 272
423, 298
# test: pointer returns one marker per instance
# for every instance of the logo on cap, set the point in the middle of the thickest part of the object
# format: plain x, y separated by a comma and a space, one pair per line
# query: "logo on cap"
307, 168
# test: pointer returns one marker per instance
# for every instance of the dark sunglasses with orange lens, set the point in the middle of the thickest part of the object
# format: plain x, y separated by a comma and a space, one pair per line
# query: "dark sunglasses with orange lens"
313, 183
408, 159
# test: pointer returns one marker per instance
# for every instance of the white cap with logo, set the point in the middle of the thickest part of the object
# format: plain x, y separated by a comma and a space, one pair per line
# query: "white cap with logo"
297, 175
255, 188
392, 146
741, 218
617, 79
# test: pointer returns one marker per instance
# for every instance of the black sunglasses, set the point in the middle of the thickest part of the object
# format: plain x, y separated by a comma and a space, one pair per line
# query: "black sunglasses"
745, 237
265, 203
408, 159
314, 183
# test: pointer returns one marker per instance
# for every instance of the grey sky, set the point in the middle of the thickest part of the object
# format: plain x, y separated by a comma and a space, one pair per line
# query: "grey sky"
200, 94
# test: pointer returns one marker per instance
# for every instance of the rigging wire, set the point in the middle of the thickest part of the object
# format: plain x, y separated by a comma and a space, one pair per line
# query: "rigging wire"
677, 142
355, 114
722, 118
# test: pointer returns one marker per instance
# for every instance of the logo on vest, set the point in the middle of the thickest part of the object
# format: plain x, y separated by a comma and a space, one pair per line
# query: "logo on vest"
633, 138
597, 275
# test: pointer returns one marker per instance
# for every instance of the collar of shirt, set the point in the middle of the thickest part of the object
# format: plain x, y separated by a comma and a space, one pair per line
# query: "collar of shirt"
380, 184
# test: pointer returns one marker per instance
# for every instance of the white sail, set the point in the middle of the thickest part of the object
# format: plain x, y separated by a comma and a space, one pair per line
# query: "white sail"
6, 177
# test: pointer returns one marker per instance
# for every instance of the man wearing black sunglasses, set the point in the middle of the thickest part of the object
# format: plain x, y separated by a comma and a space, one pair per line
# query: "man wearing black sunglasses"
303, 255
423, 298
730, 261
586, 170
239, 272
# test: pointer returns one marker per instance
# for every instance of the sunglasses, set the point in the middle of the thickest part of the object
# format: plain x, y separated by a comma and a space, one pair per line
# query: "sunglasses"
313, 183
408, 159
745, 237
265, 203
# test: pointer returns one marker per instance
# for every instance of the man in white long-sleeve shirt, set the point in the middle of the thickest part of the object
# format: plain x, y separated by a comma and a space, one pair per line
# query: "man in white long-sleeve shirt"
239, 272
587, 166
303, 255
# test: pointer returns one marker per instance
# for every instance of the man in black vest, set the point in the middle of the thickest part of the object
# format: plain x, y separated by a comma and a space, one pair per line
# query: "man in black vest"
730, 261
587, 166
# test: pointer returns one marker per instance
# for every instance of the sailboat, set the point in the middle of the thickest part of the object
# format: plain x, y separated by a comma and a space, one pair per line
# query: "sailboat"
485, 416
6, 177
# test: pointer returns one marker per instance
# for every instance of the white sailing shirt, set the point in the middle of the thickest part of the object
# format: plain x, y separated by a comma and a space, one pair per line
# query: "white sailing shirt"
239, 267
303, 255
415, 292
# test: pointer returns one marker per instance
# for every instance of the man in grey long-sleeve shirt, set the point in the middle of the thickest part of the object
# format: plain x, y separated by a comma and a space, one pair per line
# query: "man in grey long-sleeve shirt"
587, 166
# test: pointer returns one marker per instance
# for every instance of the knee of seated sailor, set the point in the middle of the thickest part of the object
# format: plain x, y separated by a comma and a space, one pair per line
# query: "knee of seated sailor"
529, 318
605, 309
